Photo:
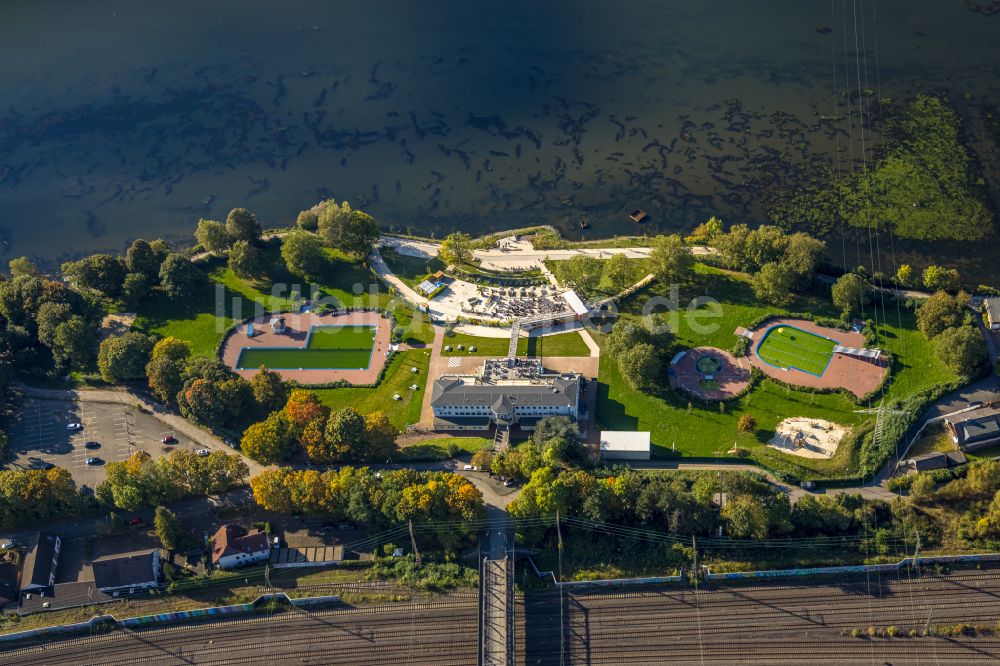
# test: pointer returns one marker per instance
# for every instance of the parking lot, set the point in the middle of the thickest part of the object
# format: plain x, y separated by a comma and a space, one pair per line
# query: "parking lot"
40, 436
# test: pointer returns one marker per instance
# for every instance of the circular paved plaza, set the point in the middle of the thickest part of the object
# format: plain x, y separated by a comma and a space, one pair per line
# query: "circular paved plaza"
710, 374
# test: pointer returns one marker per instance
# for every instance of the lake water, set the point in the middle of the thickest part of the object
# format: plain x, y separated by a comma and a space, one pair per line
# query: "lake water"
124, 119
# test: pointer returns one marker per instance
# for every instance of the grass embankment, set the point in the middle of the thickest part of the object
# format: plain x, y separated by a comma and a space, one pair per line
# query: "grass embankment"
442, 448
560, 344
705, 430
203, 320
399, 377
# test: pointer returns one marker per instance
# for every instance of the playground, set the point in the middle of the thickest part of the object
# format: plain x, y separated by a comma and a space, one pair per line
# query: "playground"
803, 353
710, 374
310, 348
807, 438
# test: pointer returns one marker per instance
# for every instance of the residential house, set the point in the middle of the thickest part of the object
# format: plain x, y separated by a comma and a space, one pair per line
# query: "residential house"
39, 570
234, 547
975, 429
128, 574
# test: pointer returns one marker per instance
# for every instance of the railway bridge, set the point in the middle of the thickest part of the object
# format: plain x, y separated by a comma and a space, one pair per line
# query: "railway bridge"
496, 600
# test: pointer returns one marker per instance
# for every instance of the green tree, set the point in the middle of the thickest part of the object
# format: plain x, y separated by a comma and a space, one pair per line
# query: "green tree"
212, 236
100, 272
308, 220
904, 275
143, 259
640, 366
23, 266
581, 271
303, 254
670, 260
331, 221
180, 278
802, 257
124, 357
380, 437
938, 278
135, 288
247, 261
345, 434
270, 391
74, 343
268, 441
169, 529
165, 369
962, 349
773, 284
241, 224
850, 293
455, 248
620, 272
732, 247
360, 234
940, 312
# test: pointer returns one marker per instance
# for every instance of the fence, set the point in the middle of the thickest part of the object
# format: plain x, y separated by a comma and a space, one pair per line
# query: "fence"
853, 569
166, 618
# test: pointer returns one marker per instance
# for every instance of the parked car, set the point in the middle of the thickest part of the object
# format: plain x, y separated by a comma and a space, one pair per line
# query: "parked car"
93, 461
468, 468
169, 439
134, 522
202, 452
74, 426
9, 543
345, 526
93, 445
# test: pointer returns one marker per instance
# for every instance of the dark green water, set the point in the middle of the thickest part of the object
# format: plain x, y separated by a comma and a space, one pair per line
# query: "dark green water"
122, 119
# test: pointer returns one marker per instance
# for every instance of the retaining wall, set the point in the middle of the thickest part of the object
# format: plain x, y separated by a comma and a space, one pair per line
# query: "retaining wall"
854, 569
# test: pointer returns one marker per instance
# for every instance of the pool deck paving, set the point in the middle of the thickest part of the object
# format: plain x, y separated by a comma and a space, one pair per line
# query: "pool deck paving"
296, 333
856, 375
730, 380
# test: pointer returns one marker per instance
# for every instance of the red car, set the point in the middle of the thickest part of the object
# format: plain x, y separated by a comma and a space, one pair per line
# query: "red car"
169, 439
135, 521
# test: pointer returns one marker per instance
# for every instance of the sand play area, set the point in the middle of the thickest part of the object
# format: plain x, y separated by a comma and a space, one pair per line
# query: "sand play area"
809, 438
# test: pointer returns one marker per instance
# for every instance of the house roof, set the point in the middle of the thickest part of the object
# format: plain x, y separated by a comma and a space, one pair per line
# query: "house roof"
125, 571
992, 306
461, 392
40, 564
980, 425
938, 460
233, 539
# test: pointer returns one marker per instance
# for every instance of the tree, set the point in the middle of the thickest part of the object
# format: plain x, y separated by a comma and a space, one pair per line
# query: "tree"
165, 369
773, 284
308, 220
380, 437
802, 257
124, 357
241, 224
332, 220
747, 423
620, 272
303, 408
270, 391
214, 402
360, 234
555, 427
732, 247
940, 312
582, 271
670, 260
849, 293
482, 459
212, 236
180, 278
143, 259
962, 349
135, 288
268, 441
23, 266
303, 254
73, 344
938, 278
345, 434
169, 529
247, 261
904, 275
640, 366
100, 272
455, 248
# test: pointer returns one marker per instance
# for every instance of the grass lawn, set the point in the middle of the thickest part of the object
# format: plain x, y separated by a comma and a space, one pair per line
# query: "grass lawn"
442, 448
411, 270
398, 379
604, 288
789, 347
934, 440
328, 347
203, 320
561, 344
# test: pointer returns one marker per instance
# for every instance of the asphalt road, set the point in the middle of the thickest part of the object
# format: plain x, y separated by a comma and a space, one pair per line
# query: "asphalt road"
781, 623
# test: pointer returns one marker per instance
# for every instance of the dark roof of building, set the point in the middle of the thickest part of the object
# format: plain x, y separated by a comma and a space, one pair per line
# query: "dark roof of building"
8, 582
548, 392
992, 305
40, 563
233, 539
445, 422
979, 425
938, 460
124, 571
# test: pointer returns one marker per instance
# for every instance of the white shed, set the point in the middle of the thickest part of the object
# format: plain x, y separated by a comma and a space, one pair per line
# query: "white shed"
625, 445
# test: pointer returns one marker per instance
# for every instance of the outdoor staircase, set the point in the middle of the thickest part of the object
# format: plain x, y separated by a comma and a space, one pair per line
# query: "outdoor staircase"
515, 336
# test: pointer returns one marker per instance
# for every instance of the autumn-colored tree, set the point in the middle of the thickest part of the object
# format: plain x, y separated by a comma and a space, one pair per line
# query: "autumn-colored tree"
302, 408
747, 423
269, 441
380, 436
166, 367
